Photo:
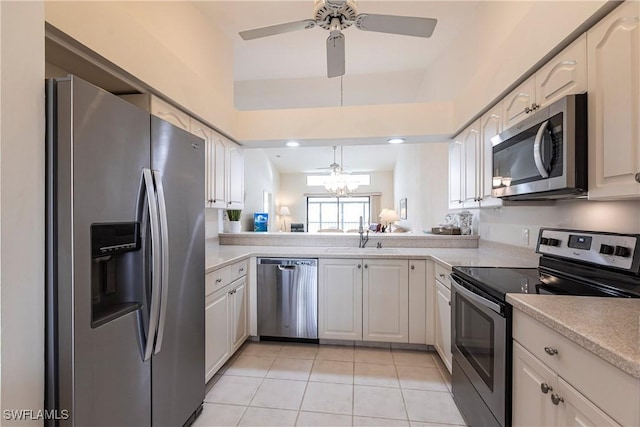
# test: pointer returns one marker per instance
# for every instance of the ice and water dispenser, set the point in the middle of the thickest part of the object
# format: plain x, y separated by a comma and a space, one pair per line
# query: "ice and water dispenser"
117, 274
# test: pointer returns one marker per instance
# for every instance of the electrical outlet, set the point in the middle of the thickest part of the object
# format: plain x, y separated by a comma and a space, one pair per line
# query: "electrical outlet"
525, 236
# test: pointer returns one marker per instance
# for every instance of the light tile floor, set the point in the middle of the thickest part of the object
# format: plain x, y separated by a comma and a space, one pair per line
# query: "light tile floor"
274, 384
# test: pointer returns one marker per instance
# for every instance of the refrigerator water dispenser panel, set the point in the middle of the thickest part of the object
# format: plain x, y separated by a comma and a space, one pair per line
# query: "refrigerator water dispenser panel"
116, 271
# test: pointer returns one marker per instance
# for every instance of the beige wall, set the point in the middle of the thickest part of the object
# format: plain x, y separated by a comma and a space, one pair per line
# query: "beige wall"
421, 175
22, 172
293, 187
169, 45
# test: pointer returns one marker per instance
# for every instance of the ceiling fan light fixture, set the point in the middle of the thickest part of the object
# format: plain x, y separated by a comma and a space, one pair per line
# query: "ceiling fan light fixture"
293, 144
396, 140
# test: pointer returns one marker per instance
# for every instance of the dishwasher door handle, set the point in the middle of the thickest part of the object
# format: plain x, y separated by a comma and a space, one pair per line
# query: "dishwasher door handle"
286, 267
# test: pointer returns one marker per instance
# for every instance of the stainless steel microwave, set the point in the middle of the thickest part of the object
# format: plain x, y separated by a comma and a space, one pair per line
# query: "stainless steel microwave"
545, 155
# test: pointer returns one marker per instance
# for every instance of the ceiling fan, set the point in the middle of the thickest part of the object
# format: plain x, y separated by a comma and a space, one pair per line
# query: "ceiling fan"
336, 15
336, 168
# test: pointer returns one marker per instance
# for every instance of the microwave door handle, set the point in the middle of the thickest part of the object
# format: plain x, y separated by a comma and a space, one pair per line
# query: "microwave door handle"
475, 297
537, 151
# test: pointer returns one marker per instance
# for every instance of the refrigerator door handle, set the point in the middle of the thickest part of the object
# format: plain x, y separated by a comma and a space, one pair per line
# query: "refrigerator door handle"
164, 233
156, 261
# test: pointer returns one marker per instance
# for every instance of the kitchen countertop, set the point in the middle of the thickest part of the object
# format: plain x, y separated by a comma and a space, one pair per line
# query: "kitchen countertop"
607, 327
222, 255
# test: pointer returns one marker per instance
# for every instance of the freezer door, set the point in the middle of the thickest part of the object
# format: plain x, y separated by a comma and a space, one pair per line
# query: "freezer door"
178, 364
97, 148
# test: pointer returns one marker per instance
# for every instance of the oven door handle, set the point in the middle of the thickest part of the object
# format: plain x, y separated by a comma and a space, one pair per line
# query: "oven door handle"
475, 297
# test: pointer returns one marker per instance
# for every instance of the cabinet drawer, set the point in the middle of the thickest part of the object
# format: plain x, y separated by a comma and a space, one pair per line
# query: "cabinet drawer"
239, 269
442, 275
609, 388
217, 279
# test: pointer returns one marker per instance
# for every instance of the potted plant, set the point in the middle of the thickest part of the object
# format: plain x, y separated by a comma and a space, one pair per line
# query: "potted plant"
234, 220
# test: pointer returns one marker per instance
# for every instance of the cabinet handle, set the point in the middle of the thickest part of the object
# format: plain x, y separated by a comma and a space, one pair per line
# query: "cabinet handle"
441, 275
638, 177
555, 399
534, 106
527, 110
366, 266
359, 265
241, 269
413, 267
545, 388
218, 280
449, 303
551, 351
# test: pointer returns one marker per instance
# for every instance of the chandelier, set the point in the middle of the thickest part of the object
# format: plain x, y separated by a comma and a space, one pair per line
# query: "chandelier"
339, 183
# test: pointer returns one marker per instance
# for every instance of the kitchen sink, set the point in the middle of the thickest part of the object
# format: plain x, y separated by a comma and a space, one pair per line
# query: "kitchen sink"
371, 250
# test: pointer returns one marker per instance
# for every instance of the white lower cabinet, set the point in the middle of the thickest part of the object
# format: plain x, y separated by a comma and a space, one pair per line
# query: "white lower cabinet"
542, 398
420, 324
385, 300
363, 299
443, 324
226, 315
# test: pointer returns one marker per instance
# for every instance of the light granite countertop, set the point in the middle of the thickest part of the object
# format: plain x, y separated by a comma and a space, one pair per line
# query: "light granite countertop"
219, 256
607, 327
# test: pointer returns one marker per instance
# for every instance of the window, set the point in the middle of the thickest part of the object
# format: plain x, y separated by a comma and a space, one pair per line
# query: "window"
332, 212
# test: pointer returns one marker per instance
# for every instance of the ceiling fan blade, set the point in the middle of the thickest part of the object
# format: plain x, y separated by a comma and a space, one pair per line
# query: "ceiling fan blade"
404, 25
277, 29
335, 54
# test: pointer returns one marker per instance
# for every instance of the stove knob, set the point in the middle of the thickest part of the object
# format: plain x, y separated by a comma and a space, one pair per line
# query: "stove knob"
622, 251
554, 242
544, 241
606, 249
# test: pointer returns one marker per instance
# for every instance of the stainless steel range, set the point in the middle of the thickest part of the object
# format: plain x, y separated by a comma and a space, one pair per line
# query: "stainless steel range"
573, 262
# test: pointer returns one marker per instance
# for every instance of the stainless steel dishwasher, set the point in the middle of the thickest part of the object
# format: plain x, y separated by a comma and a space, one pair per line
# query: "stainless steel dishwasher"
288, 298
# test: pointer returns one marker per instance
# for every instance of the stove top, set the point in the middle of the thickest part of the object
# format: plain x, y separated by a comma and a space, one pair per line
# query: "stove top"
573, 262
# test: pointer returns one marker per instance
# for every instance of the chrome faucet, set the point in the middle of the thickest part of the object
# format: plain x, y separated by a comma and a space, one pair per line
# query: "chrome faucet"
363, 240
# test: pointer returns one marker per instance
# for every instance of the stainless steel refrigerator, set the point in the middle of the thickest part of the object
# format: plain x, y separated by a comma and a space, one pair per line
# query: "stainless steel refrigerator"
125, 263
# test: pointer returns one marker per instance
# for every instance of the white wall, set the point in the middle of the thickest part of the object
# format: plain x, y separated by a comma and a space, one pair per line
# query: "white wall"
22, 172
293, 187
421, 175
169, 45
260, 175
505, 224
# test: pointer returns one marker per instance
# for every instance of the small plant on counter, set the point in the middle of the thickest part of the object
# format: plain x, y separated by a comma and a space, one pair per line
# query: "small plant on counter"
234, 214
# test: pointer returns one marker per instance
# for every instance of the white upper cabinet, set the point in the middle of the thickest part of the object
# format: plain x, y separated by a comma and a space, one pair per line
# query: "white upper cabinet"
470, 149
614, 104
490, 126
205, 133
235, 176
565, 74
456, 169
518, 104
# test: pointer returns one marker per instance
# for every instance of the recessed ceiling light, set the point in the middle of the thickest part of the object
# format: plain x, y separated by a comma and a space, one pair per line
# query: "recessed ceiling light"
293, 144
395, 140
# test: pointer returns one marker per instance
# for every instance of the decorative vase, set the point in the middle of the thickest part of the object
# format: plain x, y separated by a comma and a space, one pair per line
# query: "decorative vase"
234, 226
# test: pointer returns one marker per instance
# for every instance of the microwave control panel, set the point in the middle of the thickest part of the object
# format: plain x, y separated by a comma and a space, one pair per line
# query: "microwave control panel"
607, 249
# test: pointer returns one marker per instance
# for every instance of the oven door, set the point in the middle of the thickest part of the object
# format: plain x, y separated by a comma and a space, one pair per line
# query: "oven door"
479, 344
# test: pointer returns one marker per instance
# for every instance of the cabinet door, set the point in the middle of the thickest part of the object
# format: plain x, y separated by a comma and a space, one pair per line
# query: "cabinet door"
168, 112
614, 104
470, 148
202, 131
239, 321
419, 313
340, 299
443, 324
219, 175
516, 106
385, 303
235, 186
577, 411
456, 166
217, 331
531, 406
490, 126
565, 74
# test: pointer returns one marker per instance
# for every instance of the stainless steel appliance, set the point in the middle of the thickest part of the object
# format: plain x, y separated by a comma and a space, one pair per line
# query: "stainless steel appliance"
573, 262
544, 156
288, 298
125, 262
